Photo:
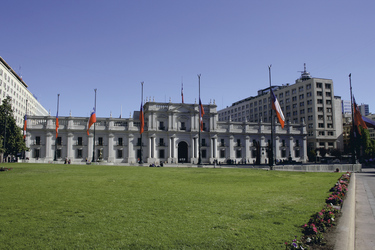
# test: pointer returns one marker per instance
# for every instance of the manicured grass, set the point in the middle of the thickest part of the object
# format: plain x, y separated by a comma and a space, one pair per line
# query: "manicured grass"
72, 207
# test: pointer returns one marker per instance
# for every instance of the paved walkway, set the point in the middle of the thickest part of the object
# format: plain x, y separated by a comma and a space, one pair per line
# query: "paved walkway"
365, 209
356, 227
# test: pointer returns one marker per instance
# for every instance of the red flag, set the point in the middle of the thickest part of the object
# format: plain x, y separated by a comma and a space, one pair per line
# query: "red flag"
92, 120
182, 92
277, 108
57, 124
24, 127
201, 113
358, 121
141, 119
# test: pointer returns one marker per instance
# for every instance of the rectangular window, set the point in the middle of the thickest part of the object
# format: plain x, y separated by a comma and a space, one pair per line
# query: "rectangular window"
319, 85
296, 153
119, 153
79, 142
328, 86
37, 140
283, 153
119, 141
58, 153
161, 126
58, 141
204, 142
238, 142
321, 125
36, 153
183, 127
161, 154
222, 153
238, 153
79, 153
204, 153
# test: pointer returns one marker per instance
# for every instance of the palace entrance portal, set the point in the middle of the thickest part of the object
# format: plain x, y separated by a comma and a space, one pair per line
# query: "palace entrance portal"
182, 152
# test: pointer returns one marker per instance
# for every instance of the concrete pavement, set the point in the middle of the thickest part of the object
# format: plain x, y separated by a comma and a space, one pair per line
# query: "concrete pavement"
356, 227
365, 210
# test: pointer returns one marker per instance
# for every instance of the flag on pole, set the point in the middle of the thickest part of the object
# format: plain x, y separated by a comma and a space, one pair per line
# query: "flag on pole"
141, 119
201, 113
24, 127
57, 124
92, 120
277, 108
358, 121
182, 92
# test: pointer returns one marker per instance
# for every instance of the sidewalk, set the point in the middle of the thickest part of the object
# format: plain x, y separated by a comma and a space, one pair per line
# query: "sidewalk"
356, 228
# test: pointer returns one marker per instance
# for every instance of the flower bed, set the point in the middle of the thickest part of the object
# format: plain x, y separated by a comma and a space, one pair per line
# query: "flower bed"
5, 169
313, 231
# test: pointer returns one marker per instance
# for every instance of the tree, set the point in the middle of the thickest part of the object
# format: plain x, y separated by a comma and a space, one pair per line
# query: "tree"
13, 142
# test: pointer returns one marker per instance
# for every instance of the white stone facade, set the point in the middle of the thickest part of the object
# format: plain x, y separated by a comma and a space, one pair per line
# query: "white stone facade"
171, 135
13, 86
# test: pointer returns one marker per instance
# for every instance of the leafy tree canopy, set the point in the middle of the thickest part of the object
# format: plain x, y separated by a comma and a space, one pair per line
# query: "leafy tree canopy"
10, 132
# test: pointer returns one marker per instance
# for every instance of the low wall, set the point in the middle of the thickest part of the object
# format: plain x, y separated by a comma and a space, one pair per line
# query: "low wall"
320, 167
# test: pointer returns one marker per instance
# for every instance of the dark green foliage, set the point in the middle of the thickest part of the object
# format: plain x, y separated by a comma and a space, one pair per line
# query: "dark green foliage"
11, 134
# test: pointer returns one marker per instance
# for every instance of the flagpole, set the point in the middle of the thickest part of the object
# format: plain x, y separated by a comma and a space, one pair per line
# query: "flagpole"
93, 146
199, 124
271, 161
354, 160
141, 160
58, 99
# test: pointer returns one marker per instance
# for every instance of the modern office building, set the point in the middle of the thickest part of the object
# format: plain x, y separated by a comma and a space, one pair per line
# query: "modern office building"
12, 85
364, 109
346, 107
309, 100
171, 135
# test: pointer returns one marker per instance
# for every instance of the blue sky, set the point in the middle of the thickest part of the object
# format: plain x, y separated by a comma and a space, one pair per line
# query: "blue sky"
72, 47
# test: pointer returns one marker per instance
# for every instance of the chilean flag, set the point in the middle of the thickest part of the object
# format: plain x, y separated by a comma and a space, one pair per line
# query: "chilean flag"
57, 124
277, 108
141, 119
24, 128
92, 120
182, 92
358, 120
201, 113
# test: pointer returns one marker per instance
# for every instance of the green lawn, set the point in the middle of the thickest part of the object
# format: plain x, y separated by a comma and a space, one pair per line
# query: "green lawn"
45, 206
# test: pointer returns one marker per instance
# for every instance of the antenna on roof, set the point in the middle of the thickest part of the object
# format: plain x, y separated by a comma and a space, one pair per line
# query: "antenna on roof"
304, 74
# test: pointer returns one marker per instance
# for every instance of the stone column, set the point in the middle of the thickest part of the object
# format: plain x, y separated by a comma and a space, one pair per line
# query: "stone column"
304, 149
111, 150
247, 149
49, 150
90, 145
291, 148
277, 148
69, 147
131, 152
231, 148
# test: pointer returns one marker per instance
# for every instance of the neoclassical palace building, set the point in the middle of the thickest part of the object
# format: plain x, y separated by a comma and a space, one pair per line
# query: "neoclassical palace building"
171, 135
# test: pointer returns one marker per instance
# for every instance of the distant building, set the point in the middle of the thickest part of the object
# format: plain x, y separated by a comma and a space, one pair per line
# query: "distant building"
11, 84
310, 100
171, 135
364, 109
346, 107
